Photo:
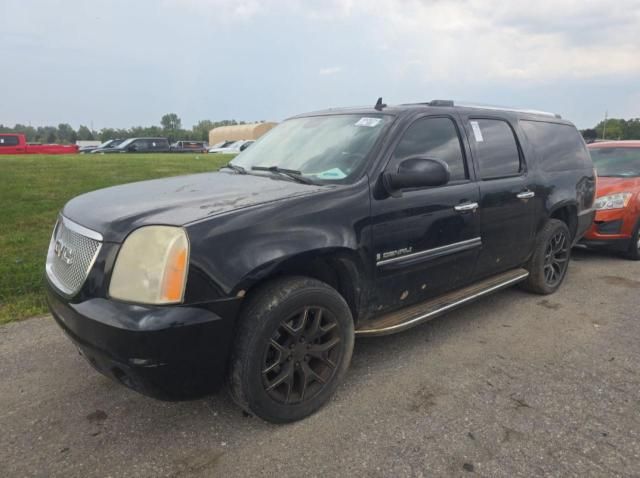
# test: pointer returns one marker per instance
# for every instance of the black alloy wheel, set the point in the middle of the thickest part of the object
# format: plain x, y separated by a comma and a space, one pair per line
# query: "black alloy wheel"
556, 258
302, 356
293, 346
549, 259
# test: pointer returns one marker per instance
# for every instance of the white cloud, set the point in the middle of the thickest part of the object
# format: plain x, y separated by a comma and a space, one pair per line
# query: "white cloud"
331, 70
494, 40
463, 40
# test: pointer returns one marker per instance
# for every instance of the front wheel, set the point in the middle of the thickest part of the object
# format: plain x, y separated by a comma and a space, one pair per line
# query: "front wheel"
293, 346
550, 260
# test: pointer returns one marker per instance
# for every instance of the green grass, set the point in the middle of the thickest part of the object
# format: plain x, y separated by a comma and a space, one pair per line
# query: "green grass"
32, 191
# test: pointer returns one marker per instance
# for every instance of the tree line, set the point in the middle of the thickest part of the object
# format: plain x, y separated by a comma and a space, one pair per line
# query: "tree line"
170, 127
613, 128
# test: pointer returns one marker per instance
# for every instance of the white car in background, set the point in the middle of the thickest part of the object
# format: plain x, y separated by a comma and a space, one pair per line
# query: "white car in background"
231, 147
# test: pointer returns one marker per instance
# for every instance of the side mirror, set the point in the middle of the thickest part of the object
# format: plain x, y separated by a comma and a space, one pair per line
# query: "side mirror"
416, 173
132, 147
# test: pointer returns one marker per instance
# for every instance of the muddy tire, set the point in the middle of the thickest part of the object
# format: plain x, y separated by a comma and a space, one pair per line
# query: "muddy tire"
293, 346
550, 260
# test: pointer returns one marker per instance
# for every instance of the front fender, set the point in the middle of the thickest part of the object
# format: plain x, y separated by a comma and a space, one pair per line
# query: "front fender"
233, 250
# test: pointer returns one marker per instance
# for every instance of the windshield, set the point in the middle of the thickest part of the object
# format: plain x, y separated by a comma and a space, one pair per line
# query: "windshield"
126, 142
325, 148
620, 162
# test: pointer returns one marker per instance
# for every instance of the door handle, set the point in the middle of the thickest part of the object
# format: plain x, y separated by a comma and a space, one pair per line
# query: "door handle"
525, 195
469, 206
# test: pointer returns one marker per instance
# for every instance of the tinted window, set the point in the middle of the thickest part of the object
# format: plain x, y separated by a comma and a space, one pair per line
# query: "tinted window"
496, 148
435, 138
560, 147
9, 141
141, 144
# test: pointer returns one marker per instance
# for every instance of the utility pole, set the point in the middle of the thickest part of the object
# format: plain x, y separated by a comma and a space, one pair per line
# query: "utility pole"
604, 128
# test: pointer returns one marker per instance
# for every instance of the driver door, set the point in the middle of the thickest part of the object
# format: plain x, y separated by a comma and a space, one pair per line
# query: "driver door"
426, 241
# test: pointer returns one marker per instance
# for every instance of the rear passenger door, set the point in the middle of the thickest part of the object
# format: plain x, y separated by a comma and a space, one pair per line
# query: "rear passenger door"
507, 194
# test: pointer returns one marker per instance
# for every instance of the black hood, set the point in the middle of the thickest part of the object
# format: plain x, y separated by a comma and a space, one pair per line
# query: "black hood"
116, 211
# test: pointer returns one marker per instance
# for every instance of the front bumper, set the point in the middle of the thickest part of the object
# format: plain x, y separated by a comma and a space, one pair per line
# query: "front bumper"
611, 229
170, 353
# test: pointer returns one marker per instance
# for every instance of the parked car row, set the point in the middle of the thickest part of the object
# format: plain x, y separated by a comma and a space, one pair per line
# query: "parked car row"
161, 145
16, 143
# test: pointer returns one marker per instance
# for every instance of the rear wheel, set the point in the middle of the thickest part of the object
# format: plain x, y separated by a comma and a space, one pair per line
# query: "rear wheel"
633, 252
293, 346
550, 260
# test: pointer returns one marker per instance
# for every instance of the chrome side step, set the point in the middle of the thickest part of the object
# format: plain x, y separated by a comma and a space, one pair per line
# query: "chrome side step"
411, 316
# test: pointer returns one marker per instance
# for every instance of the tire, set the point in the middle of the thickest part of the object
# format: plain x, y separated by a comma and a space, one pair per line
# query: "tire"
633, 252
297, 328
550, 260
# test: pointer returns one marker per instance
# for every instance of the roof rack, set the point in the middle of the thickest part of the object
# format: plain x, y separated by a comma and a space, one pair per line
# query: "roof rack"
516, 110
441, 103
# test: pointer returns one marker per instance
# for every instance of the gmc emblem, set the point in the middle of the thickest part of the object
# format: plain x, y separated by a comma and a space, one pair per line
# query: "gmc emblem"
63, 252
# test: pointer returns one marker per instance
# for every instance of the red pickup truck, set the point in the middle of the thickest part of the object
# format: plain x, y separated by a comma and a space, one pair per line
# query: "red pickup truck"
16, 143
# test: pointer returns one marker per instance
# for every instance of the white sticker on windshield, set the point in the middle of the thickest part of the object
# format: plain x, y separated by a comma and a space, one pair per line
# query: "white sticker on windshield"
368, 122
476, 131
335, 173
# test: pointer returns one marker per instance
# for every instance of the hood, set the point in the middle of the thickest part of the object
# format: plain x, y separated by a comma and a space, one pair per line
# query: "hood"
116, 211
612, 185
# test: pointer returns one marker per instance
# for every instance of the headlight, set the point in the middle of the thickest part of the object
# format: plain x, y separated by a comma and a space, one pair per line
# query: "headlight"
612, 201
151, 267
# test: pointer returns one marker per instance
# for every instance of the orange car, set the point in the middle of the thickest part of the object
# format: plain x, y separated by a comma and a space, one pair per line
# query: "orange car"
617, 222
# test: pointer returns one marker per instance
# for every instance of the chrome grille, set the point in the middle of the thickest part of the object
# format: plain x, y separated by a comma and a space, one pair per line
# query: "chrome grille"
72, 252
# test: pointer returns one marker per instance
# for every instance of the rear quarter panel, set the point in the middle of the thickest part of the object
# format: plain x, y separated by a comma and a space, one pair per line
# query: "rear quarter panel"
573, 187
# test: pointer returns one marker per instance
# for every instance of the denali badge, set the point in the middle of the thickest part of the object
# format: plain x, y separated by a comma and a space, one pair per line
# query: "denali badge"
396, 253
63, 252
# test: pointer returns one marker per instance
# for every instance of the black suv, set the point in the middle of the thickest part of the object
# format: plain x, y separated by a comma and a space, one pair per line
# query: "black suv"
139, 145
336, 224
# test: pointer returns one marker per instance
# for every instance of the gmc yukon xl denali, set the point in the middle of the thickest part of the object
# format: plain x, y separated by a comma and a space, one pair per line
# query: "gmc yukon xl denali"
334, 225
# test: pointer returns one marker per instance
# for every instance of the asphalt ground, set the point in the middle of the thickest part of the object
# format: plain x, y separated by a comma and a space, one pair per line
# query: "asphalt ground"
512, 385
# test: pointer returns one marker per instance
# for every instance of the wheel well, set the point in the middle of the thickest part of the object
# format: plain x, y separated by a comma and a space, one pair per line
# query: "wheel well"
339, 271
568, 215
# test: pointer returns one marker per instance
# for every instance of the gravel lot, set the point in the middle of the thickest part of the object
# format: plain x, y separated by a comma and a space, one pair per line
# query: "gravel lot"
513, 385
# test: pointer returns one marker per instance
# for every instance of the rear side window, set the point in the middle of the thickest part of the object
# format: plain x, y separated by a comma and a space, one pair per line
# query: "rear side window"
435, 138
559, 146
496, 148
9, 141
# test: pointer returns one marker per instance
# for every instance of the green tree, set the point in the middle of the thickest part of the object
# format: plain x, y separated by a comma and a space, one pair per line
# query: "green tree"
171, 122
632, 130
200, 130
85, 133
589, 134
66, 133
614, 129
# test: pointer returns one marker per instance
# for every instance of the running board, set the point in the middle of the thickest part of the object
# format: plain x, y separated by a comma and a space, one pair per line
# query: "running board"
411, 316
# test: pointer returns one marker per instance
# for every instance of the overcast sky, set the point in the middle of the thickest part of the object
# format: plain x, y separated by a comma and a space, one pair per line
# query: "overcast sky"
124, 63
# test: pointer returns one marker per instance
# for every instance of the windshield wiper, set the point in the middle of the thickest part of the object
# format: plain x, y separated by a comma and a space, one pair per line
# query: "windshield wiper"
290, 173
235, 167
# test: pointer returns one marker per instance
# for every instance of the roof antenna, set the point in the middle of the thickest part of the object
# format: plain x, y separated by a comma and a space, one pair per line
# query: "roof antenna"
379, 104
